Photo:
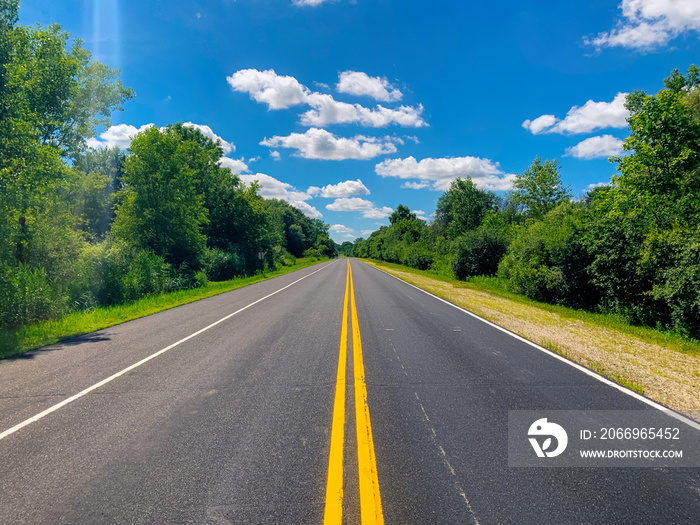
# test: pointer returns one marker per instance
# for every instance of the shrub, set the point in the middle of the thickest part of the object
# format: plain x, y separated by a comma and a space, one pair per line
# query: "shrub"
478, 252
546, 260
28, 295
220, 265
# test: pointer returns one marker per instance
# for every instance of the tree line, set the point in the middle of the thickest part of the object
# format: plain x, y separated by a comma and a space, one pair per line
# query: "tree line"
631, 247
82, 227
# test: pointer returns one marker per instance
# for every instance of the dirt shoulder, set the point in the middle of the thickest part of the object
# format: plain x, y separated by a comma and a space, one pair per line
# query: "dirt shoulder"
665, 375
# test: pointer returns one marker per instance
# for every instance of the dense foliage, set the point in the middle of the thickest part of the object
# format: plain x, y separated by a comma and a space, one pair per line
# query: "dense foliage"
82, 227
631, 247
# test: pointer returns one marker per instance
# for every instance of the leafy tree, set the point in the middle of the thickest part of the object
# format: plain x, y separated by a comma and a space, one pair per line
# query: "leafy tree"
642, 225
547, 260
478, 252
346, 249
676, 82
160, 207
462, 208
539, 189
401, 213
45, 118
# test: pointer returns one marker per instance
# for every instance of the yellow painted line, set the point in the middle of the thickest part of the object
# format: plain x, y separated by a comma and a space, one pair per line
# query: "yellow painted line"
370, 500
333, 513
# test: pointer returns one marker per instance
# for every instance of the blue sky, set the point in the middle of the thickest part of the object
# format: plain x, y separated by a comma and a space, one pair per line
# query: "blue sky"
348, 108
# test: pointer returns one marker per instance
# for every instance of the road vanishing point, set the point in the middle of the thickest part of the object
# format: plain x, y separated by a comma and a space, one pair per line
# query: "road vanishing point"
334, 394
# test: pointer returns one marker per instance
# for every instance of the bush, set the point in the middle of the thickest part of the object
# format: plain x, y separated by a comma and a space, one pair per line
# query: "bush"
312, 253
220, 265
28, 295
678, 284
546, 260
478, 252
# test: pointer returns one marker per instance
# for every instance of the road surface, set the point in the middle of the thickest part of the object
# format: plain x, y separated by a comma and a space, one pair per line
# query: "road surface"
236, 409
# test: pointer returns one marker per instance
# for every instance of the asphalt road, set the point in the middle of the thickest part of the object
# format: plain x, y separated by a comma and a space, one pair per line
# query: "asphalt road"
233, 425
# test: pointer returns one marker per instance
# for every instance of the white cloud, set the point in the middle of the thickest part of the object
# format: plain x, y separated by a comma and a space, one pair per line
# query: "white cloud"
307, 209
440, 173
228, 147
420, 214
339, 228
326, 110
540, 123
272, 188
597, 185
310, 3
368, 232
416, 185
320, 144
343, 189
584, 119
278, 92
361, 84
122, 134
648, 24
368, 209
596, 148
275, 155
282, 92
237, 166
119, 135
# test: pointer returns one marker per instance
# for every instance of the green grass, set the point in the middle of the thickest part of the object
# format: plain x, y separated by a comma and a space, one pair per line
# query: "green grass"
13, 342
499, 287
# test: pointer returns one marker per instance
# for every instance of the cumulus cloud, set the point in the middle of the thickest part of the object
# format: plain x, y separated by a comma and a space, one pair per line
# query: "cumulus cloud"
440, 173
584, 119
122, 134
411, 185
649, 24
326, 110
339, 228
343, 189
368, 209
596, 148
361, 84
282, 92
597, 185
277, 91
272, 188
310, 3
237, 166
540, 123
119, 135
321, 144
228, 147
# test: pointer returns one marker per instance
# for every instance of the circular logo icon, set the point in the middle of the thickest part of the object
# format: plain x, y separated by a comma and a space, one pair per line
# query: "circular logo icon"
540, 435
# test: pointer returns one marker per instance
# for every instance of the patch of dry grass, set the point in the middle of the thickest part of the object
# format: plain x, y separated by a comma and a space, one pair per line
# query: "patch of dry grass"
661, 373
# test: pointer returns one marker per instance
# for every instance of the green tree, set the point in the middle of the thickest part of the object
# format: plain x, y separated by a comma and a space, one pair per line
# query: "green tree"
52, 98
644, 226
478, 252
539, 189
160, 208
462, 208
401, 213
547, 260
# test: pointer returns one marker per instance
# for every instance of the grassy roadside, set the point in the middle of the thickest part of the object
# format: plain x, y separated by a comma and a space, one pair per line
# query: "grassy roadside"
662, 366
79, 323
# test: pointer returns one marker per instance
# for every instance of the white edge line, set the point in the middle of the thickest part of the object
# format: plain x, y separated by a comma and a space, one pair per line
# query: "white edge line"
632, 393
80, 394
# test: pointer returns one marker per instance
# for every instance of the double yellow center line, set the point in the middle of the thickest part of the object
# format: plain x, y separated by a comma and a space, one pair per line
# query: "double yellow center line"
370, 501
